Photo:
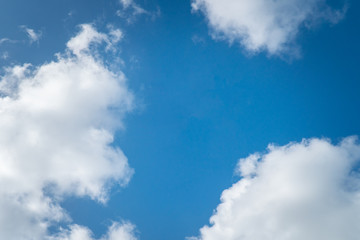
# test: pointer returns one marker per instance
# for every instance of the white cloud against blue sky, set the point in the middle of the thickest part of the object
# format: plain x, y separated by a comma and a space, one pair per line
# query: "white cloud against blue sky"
261, 25
33, 36
308, 190
117, 231
130, 10
57, 126
125, 120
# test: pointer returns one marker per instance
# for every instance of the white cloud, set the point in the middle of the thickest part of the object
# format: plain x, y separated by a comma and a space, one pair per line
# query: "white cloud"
263, 25
57, 123
115, 35
117, 231
32, 34
308, 190
7, 40
130, 10
126, 3
82, 42
88, 37
130, 4
3, 40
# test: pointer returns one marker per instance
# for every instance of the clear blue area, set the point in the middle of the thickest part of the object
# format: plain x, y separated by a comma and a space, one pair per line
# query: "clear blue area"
202, 106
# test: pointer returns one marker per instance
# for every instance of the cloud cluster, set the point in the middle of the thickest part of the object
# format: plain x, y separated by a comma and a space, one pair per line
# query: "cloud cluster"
308, 190
263, 25
57, 123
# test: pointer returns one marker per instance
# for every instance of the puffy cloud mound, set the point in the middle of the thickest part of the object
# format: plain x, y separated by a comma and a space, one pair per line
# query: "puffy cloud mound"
308, 190
262, 24
57, 123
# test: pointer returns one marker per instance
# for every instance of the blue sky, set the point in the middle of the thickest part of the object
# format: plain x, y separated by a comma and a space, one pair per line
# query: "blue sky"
200, 102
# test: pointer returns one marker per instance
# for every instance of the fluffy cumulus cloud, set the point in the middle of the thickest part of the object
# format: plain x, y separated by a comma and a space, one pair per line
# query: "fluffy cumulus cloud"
57, 123
262, 24
308, 190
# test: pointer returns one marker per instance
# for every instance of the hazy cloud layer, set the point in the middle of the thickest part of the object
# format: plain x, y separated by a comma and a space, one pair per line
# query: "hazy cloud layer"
308, 190
57, 122
263, 25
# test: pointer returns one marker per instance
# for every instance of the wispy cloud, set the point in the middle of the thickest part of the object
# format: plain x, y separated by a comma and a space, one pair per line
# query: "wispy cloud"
7, 40
127, 3
196, 39
131, 10
3, 40
34, 36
